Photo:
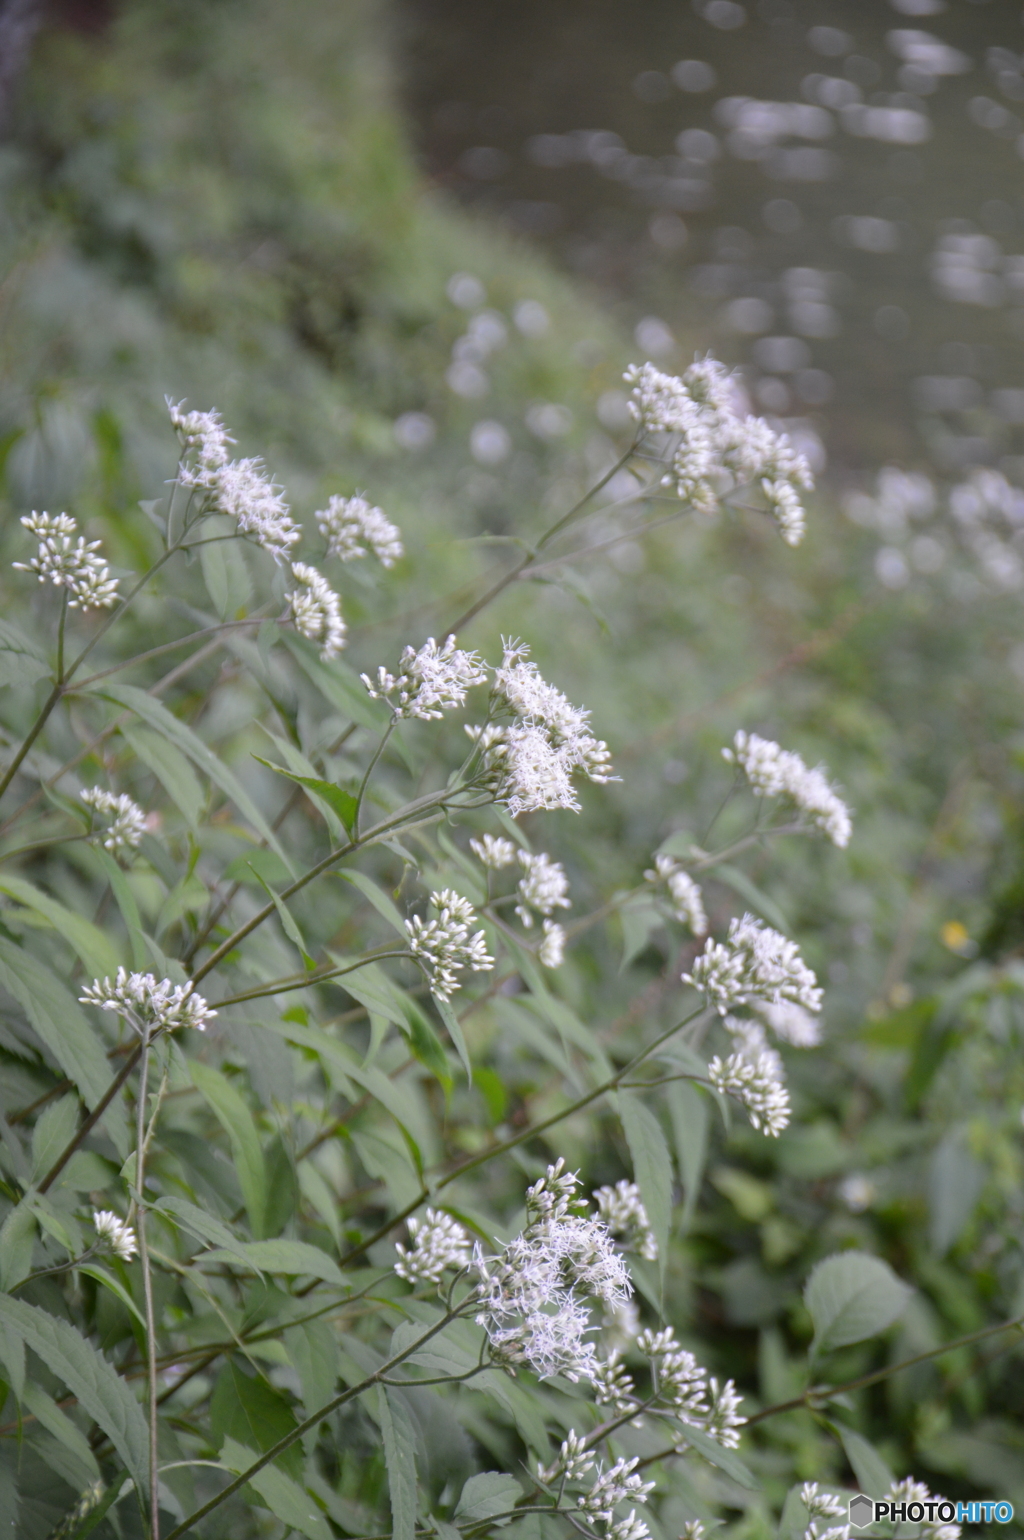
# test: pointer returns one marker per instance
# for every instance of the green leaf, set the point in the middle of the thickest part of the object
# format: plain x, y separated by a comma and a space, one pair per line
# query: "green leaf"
852, 1296
400, 1458
225, 573
342, 803
640, 919
54, 1130
236, 1119
116, 1287
49, 1415
12, 1357
955, 1183
202, 756
288, 924
203, 1226
758, 900
291, 1257
652, 1166
171, 769
486, 1495
58, 1019
125, 900
454, 1026
688, 1109
380, 901
313, 1349
286, 1499
88, 1376
244, 1407
727, 1460
338, 684
873, 1475
92, 946
21, 661
17, 1242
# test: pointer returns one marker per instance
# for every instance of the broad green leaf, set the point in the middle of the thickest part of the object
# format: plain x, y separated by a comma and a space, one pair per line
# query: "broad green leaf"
17, 1242
312, 1348
232, 1112
12, 1360
49, 1414
291, 1257
125, 900
391, 1166
62, 1226
688, 1109
21, 660
204, 1226
116, 1287
88, 1375
486, 1495
285, 1498
384, 906
171, 768
92, 946
381, 997
400, 1458
245, 1408
727, 1460
54, 1130
338, 684
288, 924
852, 1296
342, 803
225, 573
873, 1475
202, 756
652, 1166
58, 1018
640, 919
955, 1183
317, 1193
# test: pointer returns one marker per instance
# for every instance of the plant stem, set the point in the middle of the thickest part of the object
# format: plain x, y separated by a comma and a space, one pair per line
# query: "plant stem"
378, 751
147, 1286
60, 635
91, 1121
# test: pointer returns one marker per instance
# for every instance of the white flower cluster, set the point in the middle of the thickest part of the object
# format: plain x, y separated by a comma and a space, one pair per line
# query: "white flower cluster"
989, 514
127, 820
618, 1484
573, 1461
714, 448
430, 681
551, 952
534, 759
754, 963
444, 945
622, 1210
438, 1242
755, 1082
115, 1234
493, 851
910, 1491
543, 887
352, 527
820, 1505
242, 489
533, 1295
790, 1022
686, 895
316, 611
680, 1383
74, 567
776, 772
149, 1006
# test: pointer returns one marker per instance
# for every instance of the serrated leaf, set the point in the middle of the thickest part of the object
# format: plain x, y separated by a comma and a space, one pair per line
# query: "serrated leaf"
53, 1132
17, 1242
92, 946
171, 768
234, 1116
89, 1376
58, 1018
116, 1287
852, 1296
342, 803
727, 1460
202, 756
290, 1257
873, 1475
652, 1166
486, 1495
400, 1458
49, 1415
286, 1499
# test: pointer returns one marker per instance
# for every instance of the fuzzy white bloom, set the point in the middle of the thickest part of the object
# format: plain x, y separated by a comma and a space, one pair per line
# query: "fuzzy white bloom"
551, 952
149, 1006
430, 681
445, 946
754, 963
776, 772
790, 1022
204, 435
573, 1461
714, 449
910, 1491
613, 1486
678, 1377
622, 1210
620, 1327
438, 1242
724, 1417
536, 775
613, 1384
127, 820
533, 1295
244, 491
492, 851
755, 1083
352, 527
687, 898
73, 567
115, 1233
543, 886
629, 1528
693, 1529
316, 611
820, 1504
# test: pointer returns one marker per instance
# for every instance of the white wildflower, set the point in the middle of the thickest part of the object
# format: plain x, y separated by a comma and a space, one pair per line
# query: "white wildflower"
149, 1006
204, 436
687, 898
438, 1242
444, 944
910, 1491
613, 1384
822, 1505
115, 1233
244, 491
493, 851
551, 952
430, 681
785, 507
536, 775
750, 1040
620, 1326
678, 1378
316, 611
73, 567
724, 1415
790, 1022
836, 1532
622, 1210
755, 1083
352, 527
613, 1486
754, 963
693, 1529
543, 886
127, 820
629, 1528
573, 1461
776, 772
